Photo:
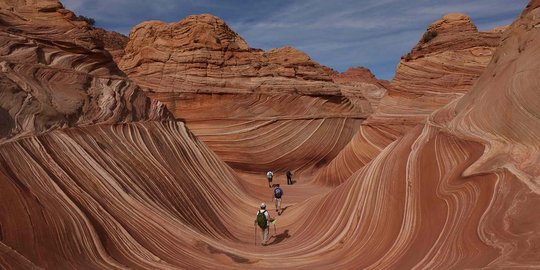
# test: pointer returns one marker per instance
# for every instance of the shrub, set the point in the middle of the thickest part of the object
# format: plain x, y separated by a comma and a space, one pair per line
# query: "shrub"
429, 35
89, 20
407, 57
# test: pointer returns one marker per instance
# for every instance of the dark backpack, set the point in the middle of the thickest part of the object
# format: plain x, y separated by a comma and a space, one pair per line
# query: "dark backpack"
278, 192
261, 219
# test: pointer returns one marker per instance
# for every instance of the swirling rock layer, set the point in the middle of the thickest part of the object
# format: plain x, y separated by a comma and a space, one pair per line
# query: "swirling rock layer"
440, 69
359, 82
437, 71
257, 110
57, 75
455, 192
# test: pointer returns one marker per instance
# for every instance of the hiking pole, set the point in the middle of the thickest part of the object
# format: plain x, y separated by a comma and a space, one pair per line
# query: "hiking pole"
275, 228
255, 234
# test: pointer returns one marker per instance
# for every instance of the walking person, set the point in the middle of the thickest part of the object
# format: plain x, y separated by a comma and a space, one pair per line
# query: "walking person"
278, 193
289, 178
263, 220
269, 176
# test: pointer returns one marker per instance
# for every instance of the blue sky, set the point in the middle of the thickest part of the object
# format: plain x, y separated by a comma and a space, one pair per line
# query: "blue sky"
339, 34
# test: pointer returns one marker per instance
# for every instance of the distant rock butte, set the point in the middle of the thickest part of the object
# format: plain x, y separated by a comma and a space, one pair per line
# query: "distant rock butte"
208, 76
55, 74
432, 75
355, 75
441, 69
201, 54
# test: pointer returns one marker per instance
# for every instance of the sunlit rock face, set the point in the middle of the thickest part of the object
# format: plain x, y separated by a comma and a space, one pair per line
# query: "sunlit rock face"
360, 82
54, 74
257, 110
503, 111
201, 54
456, 191
442, 67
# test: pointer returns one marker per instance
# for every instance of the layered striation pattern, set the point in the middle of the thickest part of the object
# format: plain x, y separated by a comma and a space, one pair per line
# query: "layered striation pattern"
257, 110
115, 196
56, 75
442, 67
452, 192
201, 54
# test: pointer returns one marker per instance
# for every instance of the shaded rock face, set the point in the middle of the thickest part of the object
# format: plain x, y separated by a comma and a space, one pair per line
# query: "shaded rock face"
113, 42
54, 74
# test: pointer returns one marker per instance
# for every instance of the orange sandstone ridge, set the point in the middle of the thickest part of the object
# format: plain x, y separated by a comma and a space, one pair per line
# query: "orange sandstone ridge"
201, 54
451, 185
208, 76
432, 75
54, 74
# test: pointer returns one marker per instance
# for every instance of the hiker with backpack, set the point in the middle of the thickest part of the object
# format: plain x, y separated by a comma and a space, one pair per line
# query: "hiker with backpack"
289, 178
263, 220
269, 176
278, 192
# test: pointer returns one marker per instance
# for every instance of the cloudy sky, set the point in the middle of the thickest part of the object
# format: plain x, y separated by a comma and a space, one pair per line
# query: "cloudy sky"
336, 33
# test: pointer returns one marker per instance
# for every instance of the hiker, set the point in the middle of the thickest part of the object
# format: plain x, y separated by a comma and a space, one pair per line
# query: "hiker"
278, 192
289, 178
263, 220
269, 176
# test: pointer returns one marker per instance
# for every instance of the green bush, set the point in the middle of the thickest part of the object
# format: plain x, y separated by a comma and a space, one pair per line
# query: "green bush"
89, 20
429, 35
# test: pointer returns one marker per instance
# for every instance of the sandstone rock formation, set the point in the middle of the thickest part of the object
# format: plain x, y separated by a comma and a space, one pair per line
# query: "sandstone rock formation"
437, 71
457, 190
57, 75
254, 100
453, 192
359, 82
113, 42
441, 69
201, 54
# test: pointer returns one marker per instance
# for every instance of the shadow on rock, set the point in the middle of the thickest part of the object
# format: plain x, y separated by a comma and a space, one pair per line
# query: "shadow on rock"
234, 257
280, 237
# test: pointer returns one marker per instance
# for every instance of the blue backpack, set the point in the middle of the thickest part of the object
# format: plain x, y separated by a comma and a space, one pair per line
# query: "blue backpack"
278, 192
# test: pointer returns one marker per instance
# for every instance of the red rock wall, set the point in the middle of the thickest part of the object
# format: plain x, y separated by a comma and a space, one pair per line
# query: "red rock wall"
55, 75
432, 75
458, 191
228, 92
